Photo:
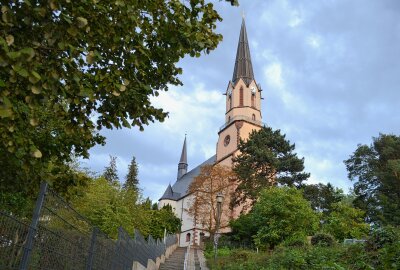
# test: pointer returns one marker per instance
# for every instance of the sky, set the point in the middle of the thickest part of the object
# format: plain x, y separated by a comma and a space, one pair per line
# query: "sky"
330, 74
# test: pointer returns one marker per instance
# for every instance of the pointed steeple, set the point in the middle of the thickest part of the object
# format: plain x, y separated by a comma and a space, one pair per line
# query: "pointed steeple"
182, 166
243, 67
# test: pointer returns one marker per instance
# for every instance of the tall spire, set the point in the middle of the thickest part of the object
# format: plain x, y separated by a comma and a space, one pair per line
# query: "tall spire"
243, 67
182, 166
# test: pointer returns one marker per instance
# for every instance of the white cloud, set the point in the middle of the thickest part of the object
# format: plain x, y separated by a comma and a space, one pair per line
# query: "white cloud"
295, 18
273, 74
277, 77
314, 41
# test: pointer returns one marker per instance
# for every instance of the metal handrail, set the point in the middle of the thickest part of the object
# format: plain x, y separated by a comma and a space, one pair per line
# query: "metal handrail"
242, 117
187, 258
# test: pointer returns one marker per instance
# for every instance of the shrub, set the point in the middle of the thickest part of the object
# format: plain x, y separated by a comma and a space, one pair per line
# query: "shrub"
323, 239
288, 258
389, 256
296, 241
356, 257
241, 255
380, 237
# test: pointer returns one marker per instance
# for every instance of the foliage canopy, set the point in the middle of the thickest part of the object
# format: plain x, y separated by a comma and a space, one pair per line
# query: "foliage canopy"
280, 213
131, 179
266, 159
71, 67
375, 170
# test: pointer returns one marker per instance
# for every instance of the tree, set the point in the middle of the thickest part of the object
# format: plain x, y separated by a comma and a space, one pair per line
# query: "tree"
280, 213
163, 220
266, 159
345, 221
69, 68
110, 171
108, 207
375, 170
204, 189
21, 174
131, 179
322, 196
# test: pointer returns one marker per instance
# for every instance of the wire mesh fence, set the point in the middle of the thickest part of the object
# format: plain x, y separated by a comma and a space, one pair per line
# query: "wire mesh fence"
58, 237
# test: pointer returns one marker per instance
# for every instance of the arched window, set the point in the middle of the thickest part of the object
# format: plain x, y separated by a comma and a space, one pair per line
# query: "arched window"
253, 117
229, 119
253, 100
188, 237
241, 96
230, 102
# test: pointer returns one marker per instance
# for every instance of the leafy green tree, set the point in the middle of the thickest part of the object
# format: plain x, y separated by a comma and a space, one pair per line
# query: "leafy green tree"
21, 174
110, 171
131, 180
71, 67
243, 229
163, 220
266, 159
279, 213
322, 196
375, 170
345, 221
109, 207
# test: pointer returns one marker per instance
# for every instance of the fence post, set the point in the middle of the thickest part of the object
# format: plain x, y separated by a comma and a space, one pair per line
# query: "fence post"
91, 249
33, 227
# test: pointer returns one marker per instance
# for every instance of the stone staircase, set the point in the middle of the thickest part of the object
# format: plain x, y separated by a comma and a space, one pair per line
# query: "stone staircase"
175, 261
177, 258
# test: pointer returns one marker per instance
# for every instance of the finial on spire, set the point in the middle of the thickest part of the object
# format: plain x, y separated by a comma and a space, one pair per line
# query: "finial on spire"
243, 15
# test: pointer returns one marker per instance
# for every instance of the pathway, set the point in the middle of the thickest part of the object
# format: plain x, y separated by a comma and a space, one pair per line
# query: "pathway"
177, 258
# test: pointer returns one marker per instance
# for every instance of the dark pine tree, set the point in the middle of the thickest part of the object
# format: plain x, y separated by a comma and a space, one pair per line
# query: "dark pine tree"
110, 171
266, 159
131, 179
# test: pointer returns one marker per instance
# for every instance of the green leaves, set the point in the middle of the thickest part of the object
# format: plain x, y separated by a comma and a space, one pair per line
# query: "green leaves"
266, 159
375, 172
64, 61
279, 214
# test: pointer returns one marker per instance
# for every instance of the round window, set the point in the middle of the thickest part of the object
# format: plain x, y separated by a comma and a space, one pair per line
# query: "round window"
227, 140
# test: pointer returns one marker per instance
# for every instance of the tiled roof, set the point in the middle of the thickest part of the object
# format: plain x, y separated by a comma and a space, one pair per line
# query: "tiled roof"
180, 188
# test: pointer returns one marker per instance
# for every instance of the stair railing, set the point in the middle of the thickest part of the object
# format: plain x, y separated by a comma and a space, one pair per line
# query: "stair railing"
186, 263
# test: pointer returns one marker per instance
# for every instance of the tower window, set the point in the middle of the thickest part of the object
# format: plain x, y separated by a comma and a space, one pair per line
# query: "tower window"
253, 100
253, 117
188, 237
241, 96
230, 102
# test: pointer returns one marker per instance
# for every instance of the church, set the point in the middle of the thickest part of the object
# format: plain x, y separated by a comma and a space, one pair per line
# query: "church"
243, 114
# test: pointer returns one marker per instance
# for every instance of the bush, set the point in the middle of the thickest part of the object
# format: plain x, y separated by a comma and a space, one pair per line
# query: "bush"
296, 241
389, 256
241, 255
288, 258
379, 237
323, 239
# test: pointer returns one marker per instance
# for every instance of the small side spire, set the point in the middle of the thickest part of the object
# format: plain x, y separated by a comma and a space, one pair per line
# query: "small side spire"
183, 165
243, 67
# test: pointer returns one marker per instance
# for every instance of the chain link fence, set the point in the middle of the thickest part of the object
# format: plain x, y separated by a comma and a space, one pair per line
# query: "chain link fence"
58, 237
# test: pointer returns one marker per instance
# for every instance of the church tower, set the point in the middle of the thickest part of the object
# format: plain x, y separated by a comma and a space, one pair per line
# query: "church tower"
243, 104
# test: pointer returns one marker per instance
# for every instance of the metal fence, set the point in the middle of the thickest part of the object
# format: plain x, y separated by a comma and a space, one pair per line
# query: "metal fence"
58, 237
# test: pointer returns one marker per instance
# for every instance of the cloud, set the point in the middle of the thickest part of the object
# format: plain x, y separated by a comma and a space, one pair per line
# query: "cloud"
330, 76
